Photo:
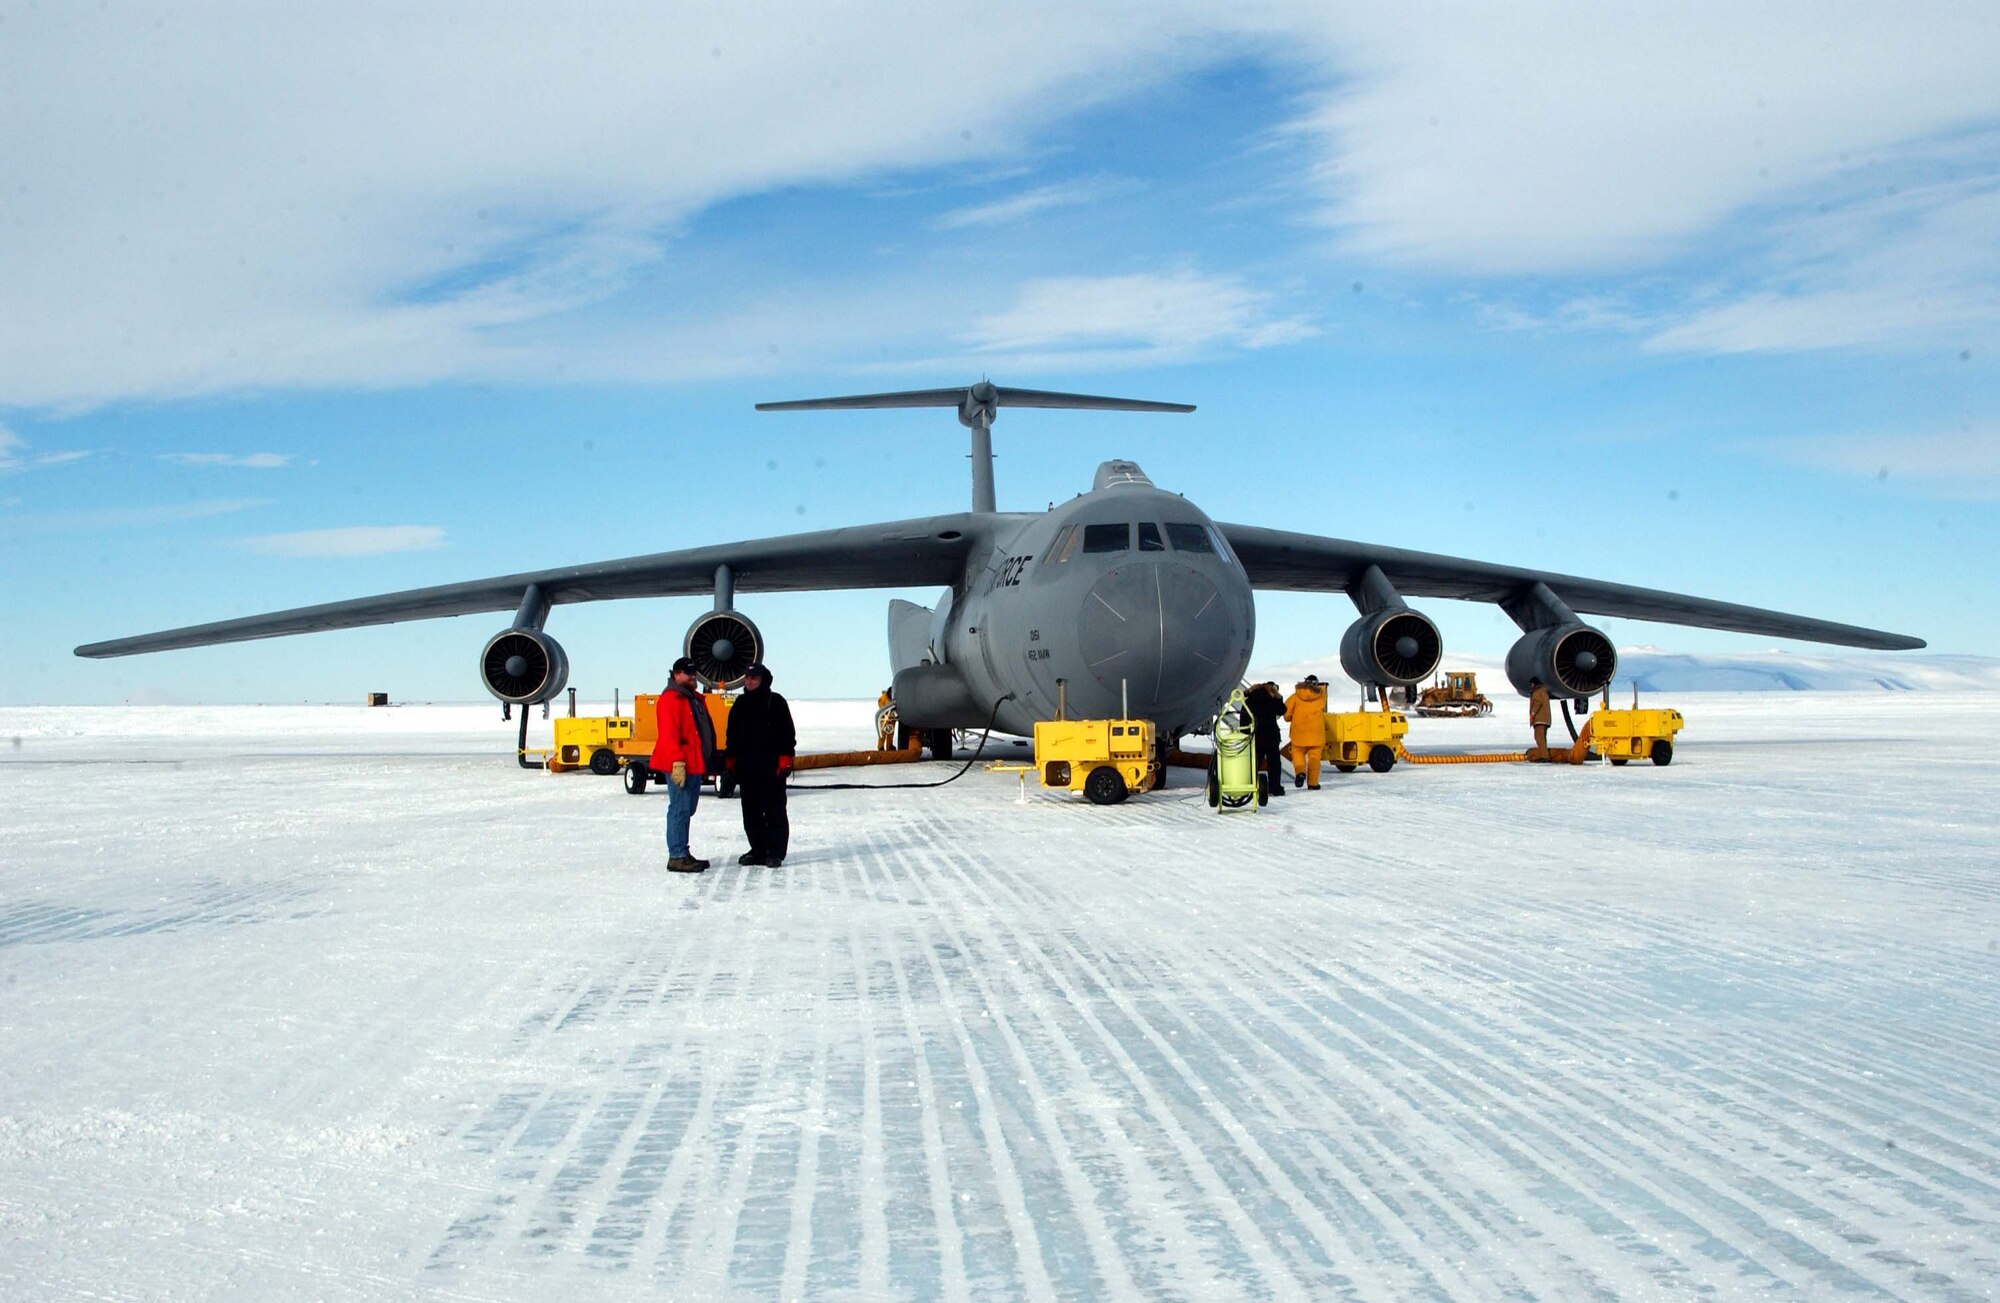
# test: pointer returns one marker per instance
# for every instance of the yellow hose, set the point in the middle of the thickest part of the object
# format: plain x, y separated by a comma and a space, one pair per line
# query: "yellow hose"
1574, 756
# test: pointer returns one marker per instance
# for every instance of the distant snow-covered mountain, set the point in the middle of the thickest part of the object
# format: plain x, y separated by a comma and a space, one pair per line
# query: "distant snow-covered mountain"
1654, 670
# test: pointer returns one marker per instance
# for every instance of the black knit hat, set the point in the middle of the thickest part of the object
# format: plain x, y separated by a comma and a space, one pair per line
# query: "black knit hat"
685, 665
758, 670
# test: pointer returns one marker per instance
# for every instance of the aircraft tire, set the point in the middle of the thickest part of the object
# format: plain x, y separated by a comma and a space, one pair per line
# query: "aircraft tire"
1214, 790
1263, 790
725, 784
1104, 786
1381, 759
941, 743
603, 763
1663, 753
635, 778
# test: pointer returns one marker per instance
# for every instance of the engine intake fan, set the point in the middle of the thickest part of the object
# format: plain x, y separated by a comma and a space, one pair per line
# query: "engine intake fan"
1393, 647
1574, 660
723, 644
524, 666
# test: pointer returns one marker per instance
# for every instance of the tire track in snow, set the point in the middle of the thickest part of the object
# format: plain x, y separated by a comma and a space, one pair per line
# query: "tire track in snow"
1429, 1006
1371, 1281
1198, 1107
1075, 1195
1470, 1236
951, 1280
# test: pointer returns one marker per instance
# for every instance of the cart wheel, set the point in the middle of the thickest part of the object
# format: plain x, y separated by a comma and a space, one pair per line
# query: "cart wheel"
1663, 752
603, 763
1105, 786
1617, 762
635, 779
1214, 790
725, 784
1263, 789
1381, 759
1345, 769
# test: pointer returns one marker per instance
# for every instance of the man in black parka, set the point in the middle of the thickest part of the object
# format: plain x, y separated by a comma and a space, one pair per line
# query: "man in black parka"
762, 744
1267, 708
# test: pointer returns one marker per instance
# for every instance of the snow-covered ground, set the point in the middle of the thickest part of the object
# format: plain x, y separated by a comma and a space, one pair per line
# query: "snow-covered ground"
1655, 670
330, 1003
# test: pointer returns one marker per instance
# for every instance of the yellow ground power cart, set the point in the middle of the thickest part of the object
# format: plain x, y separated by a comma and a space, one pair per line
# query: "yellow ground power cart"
1105, 759
1623, 735
1365, 737
597, 742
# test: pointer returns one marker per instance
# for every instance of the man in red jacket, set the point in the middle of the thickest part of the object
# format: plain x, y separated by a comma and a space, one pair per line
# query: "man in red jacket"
684, 752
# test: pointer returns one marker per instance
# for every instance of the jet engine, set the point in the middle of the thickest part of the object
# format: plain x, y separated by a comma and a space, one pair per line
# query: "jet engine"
1393, 646
524, 666
1574, 660
723, 644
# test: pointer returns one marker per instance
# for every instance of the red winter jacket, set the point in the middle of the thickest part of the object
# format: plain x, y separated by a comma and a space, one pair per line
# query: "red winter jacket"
679, 740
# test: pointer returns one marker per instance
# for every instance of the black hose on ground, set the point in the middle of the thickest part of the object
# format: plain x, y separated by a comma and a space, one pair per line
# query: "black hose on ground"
1570, 723
521, 751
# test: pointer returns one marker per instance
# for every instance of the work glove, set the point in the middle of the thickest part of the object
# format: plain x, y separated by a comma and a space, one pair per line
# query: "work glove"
784, 764
680, 772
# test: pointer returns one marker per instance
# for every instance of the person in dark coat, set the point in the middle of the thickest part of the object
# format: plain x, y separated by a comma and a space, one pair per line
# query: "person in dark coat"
762, 745
1267, 708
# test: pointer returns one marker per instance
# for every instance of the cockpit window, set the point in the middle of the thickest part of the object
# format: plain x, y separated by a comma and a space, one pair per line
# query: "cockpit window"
1190, 538
1107, 538
1062, 547
1149, 537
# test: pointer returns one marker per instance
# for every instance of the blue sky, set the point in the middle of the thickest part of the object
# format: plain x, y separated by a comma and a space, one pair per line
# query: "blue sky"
301, 305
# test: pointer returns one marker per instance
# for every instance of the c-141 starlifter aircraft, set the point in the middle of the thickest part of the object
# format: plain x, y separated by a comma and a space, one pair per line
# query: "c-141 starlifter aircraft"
1125, 594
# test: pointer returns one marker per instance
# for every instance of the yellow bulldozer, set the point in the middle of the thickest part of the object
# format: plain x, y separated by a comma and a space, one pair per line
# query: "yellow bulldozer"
1455, 695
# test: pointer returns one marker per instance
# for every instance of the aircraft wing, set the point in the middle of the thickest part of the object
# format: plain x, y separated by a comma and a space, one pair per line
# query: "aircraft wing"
1308, 563
916, 553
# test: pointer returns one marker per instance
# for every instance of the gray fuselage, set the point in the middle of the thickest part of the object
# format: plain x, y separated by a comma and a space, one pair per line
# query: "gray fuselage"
1125, 594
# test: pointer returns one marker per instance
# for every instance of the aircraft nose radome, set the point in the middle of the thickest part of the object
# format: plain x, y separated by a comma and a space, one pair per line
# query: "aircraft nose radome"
1160, 627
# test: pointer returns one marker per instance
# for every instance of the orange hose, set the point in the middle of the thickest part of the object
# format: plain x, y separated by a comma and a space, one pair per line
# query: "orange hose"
846, 759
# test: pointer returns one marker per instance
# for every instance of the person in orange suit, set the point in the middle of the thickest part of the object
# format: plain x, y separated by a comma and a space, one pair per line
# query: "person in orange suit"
1305, 710
1538, 718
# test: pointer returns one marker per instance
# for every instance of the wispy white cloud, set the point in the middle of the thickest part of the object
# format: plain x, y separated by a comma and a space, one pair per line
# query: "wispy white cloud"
14, 454
1911, 267
1560, 135
352, 540
1962, 465
508, 168
254, 460
163, 243
112, 518
1028, 203
1174, 315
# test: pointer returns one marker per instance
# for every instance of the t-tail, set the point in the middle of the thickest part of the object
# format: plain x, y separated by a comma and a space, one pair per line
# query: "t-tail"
977, 406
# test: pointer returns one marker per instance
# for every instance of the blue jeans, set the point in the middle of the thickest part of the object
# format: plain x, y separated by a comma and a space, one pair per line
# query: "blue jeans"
682, 797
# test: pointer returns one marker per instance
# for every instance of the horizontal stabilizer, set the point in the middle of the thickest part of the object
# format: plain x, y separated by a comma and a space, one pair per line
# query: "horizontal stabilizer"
981, 395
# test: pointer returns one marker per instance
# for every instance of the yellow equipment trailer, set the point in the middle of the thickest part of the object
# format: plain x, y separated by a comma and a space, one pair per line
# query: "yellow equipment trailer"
1365, 737
597, 742
1105, 759
1625, 735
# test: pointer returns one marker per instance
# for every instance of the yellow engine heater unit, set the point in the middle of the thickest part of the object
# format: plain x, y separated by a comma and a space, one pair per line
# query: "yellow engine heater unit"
1621, 736
1365, 737
1105, 759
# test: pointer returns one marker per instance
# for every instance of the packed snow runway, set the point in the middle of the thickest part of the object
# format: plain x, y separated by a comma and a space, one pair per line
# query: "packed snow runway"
330, 1003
